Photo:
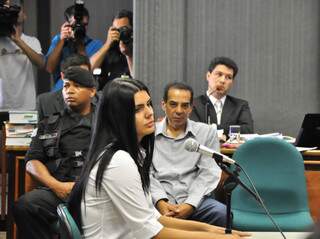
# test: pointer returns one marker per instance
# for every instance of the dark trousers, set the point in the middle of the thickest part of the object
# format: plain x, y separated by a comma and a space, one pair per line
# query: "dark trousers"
210, 211
35, 214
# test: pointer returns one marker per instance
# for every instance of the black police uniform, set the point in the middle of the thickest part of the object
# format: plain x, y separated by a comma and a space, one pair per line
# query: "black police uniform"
61, 143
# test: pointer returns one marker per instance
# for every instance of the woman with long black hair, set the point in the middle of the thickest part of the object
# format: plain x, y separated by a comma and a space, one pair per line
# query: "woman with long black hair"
112, 198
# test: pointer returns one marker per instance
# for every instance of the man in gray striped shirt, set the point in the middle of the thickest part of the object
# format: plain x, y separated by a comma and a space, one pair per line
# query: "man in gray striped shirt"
182, 181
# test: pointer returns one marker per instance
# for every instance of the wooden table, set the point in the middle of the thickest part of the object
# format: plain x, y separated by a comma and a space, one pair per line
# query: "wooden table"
312, 172
3, 166
12, 152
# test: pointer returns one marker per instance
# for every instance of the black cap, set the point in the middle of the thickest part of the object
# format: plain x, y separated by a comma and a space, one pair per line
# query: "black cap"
80, 76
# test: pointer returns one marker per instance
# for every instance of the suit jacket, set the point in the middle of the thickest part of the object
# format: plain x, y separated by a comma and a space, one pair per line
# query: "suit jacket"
234, 112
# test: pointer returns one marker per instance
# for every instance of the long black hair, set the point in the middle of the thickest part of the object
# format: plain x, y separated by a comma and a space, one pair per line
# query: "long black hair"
114, 129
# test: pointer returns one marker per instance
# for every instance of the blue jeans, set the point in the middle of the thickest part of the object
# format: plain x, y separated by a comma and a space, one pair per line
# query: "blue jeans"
210, 211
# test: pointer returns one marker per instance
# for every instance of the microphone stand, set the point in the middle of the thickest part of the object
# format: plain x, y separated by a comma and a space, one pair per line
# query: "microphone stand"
230, 184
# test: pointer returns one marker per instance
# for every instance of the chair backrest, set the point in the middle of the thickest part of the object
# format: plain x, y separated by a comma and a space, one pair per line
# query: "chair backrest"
67, 223
277, 170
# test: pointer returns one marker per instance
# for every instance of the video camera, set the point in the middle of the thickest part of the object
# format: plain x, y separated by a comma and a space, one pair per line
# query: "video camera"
78, 27
126, 34
8, 18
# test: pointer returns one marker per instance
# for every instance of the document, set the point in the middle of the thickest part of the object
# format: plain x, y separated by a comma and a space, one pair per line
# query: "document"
301, 149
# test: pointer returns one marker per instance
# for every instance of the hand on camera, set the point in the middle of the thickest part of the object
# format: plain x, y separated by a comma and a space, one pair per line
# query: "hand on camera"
113, 35
66, 31
16, 36
125, 49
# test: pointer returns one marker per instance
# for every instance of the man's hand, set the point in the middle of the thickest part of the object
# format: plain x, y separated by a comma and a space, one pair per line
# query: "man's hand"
221, 230
166, 209
66, 31
125, 49
183, 210
16, 36
63, 189
113, 35
223, 138
241, 233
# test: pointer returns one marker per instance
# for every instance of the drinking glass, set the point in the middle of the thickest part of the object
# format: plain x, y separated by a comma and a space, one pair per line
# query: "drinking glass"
234, 133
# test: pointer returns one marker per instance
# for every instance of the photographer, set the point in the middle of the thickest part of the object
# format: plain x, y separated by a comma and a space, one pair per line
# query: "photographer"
71, 40
115, 56
19, 54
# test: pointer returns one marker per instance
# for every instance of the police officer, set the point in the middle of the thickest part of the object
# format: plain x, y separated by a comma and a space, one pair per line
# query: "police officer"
56, 156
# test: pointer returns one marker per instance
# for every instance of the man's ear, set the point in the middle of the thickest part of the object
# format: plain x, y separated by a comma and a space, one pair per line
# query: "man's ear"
61, 75
93, 92
208, 75
163, 105
191, 108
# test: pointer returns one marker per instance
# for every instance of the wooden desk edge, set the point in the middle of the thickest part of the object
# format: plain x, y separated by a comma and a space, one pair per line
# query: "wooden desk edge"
315, 153
17, 148
227, 151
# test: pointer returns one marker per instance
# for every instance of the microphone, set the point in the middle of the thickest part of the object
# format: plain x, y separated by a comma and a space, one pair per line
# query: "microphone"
207, 117
192, 145
96, 75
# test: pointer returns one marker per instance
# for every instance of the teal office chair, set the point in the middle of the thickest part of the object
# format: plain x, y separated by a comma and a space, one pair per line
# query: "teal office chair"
277, 171
67, 223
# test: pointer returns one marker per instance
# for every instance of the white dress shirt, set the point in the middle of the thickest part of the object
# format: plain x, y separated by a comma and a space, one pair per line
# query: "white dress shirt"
218, 109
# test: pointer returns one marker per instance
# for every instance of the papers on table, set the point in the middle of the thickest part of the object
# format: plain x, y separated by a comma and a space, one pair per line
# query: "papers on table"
301, 149
23, 117
21, 127
246, 137
291, 140
220, 133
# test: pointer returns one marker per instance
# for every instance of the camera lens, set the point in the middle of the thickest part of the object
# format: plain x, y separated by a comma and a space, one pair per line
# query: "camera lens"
126, 34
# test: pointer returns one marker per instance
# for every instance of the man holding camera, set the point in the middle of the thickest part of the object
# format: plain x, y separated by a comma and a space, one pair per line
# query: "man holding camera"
71, 40
115, 56
19, 54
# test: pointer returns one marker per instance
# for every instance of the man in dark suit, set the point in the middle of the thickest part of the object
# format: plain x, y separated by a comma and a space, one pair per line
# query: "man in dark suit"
52, 102
216, 106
